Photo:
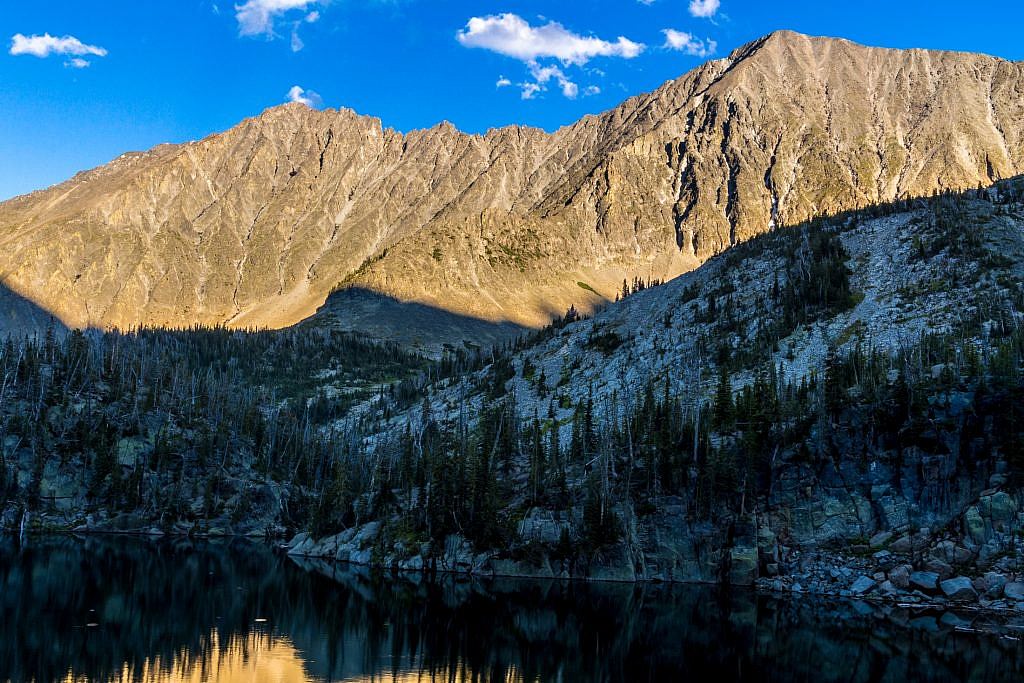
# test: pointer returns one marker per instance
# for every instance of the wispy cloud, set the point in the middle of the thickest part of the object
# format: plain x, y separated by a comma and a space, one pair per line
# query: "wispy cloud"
307, 97
542, 75
512, 36
704, 9
46, 45
682, 41
260, 17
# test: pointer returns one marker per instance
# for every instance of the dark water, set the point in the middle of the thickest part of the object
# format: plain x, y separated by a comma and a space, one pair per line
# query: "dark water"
137, 610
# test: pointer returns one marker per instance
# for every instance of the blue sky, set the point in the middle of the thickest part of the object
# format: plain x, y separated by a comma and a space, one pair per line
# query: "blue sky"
82, 81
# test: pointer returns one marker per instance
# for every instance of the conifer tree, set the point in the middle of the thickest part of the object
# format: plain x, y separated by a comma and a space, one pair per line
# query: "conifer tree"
723, 412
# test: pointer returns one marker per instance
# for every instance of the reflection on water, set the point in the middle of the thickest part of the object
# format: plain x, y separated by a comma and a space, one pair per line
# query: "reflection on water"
117, 609
249, 658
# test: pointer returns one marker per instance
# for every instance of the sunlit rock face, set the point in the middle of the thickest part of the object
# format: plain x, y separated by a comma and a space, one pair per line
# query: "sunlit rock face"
256, 226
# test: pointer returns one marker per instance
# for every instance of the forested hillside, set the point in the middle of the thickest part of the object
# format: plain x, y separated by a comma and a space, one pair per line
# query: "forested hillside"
166, 428
849, 388
834, 406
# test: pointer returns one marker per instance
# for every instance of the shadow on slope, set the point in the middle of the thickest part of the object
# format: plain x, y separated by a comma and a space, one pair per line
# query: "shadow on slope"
20, 316
417, 326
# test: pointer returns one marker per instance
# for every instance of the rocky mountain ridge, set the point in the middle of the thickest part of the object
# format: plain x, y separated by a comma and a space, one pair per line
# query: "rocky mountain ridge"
256, 227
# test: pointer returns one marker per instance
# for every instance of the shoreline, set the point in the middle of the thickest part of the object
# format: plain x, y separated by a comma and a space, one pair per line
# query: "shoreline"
761, 586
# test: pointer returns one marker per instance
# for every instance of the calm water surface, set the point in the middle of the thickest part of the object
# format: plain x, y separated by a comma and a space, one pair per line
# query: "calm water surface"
118, 609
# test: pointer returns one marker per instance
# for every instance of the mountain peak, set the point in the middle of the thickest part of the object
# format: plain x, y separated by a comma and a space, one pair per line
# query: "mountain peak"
793, 40
258, 225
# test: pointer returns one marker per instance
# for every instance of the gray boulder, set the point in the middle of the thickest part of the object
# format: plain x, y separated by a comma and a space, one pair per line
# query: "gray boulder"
959, 588
840, 573
943, 569
900, 577
944, 550
1014, 591
862, 585
999, 507
904, 544
974, 525
880, 539
994, 583
924, 580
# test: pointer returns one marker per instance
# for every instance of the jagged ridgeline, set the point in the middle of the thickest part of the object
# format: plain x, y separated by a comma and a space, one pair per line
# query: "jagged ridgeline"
818, 386
256, 226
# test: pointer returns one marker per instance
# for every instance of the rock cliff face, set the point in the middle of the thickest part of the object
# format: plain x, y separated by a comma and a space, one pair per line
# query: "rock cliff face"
255, 227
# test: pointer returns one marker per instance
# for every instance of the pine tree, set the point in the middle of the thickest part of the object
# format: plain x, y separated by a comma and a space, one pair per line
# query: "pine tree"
723, 411
538, 466
834, 391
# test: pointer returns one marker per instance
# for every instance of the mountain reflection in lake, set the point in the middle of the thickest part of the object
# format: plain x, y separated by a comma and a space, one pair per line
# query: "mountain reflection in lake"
85, 609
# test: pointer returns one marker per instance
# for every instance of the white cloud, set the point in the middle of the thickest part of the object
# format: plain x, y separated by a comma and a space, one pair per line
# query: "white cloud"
592, 90
529, 90
306, 97
78, 63
688, 43
704, 9
542, 75
257, 17
312, 17
46, 45
512, 36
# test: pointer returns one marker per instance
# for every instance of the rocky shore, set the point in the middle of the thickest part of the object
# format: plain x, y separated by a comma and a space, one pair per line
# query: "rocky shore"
975, 560
820, 536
